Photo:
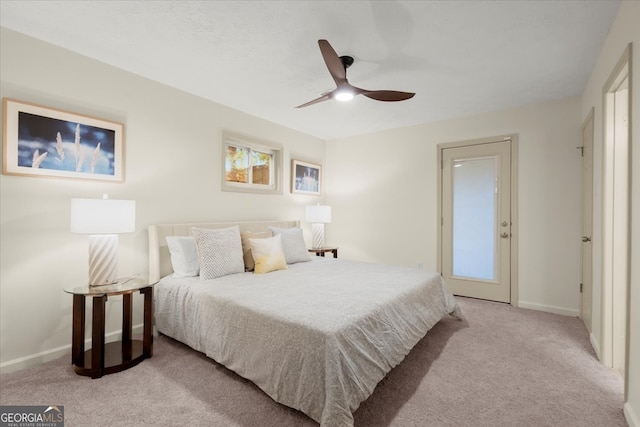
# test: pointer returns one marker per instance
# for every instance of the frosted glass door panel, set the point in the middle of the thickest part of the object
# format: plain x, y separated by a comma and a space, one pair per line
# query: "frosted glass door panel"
474, 218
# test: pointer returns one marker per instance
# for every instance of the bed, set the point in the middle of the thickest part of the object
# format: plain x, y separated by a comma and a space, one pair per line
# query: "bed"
317, 336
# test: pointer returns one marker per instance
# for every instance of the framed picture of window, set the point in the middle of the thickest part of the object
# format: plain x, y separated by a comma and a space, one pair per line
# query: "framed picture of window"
306, 178
45, 142
250, 165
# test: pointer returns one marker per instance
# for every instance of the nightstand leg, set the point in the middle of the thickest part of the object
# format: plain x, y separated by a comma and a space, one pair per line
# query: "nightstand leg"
77, 338
147, 334
127, 326
97, 339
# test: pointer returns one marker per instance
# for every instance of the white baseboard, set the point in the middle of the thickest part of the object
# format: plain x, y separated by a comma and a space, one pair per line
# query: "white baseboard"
631, 416
36, 359
596, 346
549, 308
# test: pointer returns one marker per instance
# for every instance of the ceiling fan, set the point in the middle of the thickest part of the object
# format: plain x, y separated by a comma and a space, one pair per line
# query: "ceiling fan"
344, 91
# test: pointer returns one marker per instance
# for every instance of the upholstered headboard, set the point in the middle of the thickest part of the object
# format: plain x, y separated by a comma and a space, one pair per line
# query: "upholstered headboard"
159, 257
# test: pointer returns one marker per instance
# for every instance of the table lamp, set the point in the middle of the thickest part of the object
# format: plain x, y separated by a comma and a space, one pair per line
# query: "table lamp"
103, 219
318, 216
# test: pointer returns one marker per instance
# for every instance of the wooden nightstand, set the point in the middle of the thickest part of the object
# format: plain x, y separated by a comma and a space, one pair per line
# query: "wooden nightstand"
322, 251
102, 359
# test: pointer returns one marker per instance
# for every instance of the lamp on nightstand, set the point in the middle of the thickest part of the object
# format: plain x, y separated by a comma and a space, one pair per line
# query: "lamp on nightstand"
318, 216
103, 219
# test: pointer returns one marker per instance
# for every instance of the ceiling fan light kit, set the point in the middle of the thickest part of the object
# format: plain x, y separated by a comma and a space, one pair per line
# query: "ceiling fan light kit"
343, 95
344, 91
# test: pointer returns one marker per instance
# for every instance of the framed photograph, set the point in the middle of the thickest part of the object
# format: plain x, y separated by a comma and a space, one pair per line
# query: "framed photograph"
42, 141
306, 178
250, 165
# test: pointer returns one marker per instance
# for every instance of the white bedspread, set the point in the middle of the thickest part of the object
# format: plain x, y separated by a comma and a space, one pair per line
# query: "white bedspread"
317, 337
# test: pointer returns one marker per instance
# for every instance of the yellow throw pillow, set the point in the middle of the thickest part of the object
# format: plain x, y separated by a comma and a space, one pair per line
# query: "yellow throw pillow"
246, 248
268, 254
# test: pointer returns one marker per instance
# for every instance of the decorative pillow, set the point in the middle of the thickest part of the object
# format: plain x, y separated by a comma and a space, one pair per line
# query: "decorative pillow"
219, 251
246, 248
184, 256
268, 254
295, 249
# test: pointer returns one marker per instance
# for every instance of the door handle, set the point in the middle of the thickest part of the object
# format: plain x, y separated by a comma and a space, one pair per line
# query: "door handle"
586, 239
504, 235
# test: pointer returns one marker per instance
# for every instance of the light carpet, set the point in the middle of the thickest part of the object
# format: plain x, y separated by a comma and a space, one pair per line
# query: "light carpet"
500, 366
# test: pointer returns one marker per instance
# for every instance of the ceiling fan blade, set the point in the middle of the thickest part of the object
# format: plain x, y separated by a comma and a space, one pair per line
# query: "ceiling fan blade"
386, 95
337, 66
324, 97
334, 64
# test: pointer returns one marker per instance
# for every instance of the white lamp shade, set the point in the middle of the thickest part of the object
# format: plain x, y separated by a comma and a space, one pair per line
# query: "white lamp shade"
103, 216
318, 214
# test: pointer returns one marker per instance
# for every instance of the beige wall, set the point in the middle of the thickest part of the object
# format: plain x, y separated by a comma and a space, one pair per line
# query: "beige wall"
173, 160
383, 189
625, 30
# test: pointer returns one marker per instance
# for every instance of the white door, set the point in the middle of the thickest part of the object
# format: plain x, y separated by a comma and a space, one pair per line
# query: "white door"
587, 221
476, 220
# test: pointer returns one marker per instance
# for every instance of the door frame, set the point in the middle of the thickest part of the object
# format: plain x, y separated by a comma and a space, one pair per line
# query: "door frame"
607, 309
586, 286
514, 203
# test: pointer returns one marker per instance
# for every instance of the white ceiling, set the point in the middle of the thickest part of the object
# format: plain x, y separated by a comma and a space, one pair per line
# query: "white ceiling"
262, 57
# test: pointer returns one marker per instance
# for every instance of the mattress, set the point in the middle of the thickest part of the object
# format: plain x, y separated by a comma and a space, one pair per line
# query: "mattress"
317, 337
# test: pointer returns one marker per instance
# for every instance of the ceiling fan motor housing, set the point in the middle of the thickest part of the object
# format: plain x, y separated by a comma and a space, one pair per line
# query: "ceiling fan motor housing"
346, 61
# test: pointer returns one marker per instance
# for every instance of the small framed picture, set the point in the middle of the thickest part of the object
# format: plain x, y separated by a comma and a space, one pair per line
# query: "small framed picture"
45, 142
306, 178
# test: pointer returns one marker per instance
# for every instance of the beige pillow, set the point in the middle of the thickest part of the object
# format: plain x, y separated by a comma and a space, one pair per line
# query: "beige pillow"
246, 248
268, 254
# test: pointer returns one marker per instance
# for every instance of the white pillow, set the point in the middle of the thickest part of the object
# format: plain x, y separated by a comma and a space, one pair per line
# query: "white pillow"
219, 251
268, 254
295, 249
184, 256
